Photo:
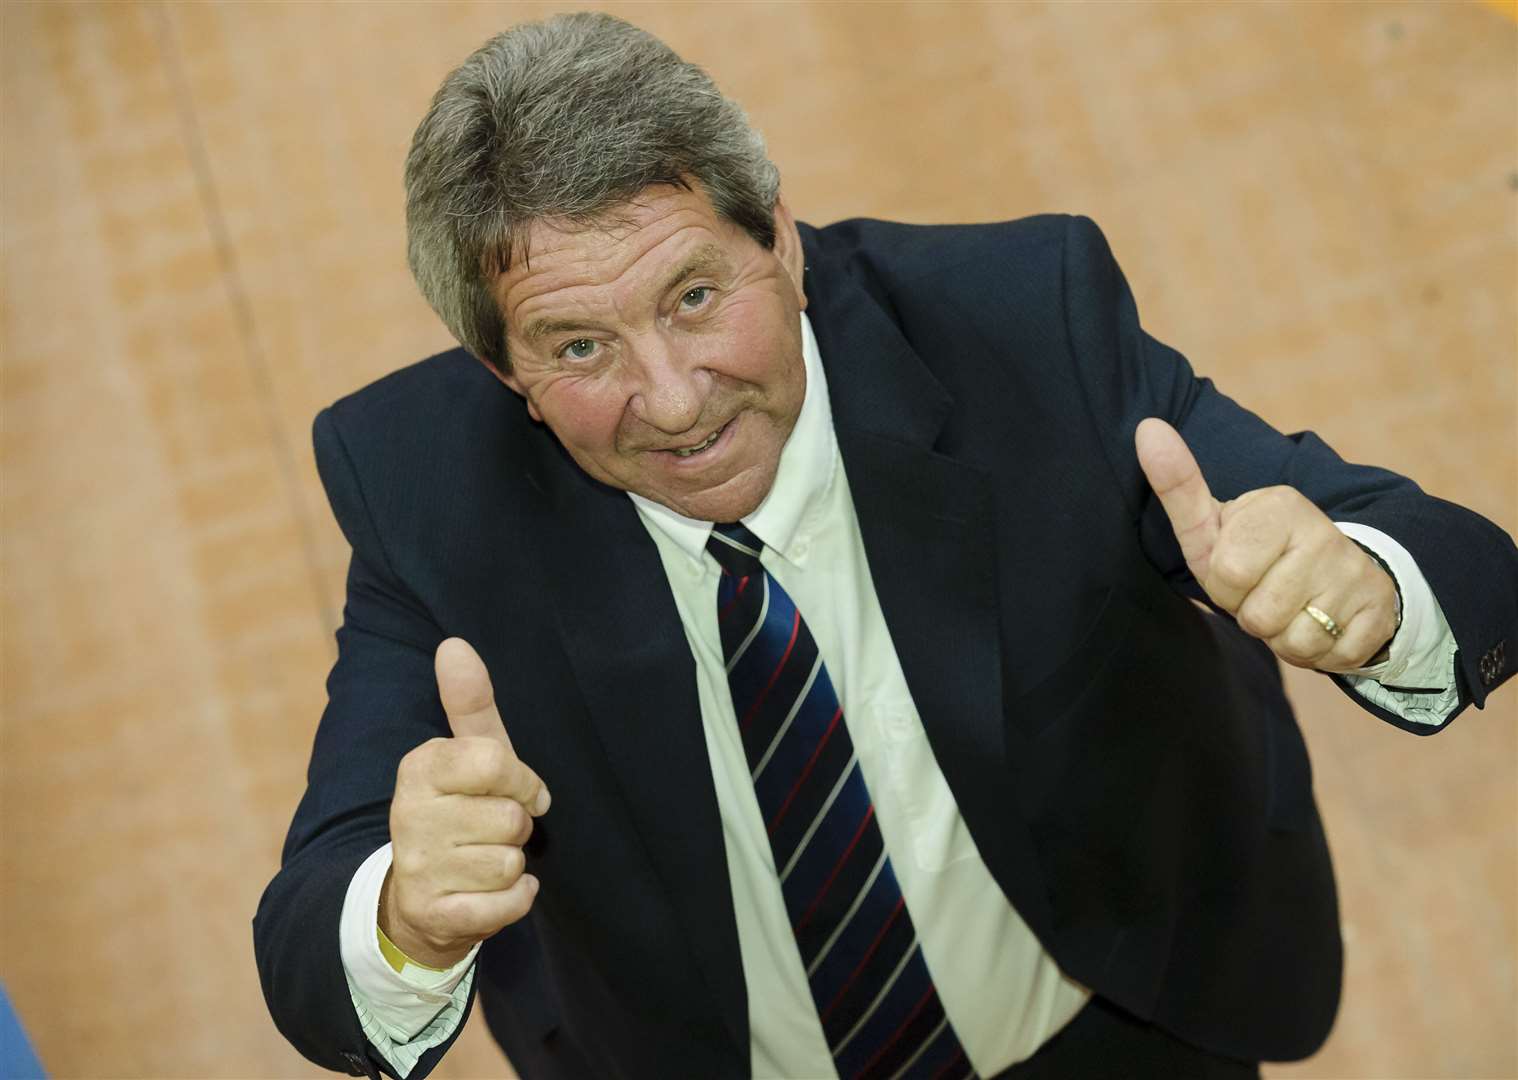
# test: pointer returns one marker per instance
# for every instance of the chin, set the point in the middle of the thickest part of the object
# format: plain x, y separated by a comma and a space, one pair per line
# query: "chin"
725, 504
717, 510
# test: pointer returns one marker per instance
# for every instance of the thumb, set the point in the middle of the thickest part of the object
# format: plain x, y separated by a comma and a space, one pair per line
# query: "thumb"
463, 684
1172, 471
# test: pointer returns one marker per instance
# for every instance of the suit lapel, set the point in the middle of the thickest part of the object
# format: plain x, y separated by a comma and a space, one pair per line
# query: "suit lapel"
636, 673
930, 534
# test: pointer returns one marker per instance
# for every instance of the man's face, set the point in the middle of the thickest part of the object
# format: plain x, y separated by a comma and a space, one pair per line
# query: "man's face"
663, 349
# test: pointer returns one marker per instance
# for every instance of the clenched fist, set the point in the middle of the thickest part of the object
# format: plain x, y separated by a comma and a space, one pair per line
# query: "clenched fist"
462, 810
1269, 555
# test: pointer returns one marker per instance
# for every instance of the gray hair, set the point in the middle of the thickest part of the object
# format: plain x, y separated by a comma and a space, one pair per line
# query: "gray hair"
563, 120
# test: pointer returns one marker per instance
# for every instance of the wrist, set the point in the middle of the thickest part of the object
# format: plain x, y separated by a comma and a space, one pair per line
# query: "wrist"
407, 946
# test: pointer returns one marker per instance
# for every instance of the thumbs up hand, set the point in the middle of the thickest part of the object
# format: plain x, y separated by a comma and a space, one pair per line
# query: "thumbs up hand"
463, 808
1273, 560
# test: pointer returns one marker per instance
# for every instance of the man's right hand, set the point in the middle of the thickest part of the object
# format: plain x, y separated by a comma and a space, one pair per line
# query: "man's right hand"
462, 810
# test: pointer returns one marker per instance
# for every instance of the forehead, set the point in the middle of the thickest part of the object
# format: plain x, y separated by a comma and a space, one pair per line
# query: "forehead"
632, 248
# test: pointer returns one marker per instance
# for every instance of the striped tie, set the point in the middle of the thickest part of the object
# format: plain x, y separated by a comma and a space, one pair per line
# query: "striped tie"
880, 1013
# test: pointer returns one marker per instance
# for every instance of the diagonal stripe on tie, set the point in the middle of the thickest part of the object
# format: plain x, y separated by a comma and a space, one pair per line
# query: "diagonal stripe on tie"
868, 979
785, 725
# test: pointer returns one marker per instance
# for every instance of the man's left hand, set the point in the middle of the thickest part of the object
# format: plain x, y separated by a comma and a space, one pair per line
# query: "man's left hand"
1269, 555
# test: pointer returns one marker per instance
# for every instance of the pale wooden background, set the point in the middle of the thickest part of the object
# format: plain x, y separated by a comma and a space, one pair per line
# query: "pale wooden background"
202, 233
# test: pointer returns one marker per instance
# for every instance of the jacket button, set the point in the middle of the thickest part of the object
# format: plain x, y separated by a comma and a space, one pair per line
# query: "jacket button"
1492, 664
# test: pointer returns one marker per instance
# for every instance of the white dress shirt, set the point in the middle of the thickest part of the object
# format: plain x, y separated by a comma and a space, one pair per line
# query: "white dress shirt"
1003, 993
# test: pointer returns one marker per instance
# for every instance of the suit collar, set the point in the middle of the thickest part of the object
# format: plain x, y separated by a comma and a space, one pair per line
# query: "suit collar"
880, 385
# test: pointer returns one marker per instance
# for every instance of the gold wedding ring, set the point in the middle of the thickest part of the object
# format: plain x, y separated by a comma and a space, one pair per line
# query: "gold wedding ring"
1325, 620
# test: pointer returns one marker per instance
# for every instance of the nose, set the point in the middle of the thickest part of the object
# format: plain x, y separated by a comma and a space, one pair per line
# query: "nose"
671, 386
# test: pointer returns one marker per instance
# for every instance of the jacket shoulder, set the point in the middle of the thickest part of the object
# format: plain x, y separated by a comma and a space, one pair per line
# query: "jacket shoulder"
433, 383
897, 252
1007, 281
445, 411
417, 452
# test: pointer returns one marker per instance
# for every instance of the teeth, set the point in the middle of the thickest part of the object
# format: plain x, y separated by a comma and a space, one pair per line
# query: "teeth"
688, 451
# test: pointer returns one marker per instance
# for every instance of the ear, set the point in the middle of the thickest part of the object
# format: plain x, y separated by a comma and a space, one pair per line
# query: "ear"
514, 384
788, 248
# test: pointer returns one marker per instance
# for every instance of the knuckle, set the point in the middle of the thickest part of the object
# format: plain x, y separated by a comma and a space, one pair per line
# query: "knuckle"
409, 862
408, 803
1287, 655
517, 822
1232, 567
412, 816
411, 767
420, 762
1256, 620
1272, 611
492, 755
1297, 647
514, 863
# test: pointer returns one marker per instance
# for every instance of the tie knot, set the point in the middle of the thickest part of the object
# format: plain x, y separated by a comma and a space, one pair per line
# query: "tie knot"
735, 549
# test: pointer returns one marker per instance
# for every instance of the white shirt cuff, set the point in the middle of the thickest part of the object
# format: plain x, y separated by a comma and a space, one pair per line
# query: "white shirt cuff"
1417, 679
403, 1013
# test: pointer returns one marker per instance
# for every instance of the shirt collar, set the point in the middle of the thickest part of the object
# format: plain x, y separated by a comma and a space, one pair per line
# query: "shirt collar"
807, 464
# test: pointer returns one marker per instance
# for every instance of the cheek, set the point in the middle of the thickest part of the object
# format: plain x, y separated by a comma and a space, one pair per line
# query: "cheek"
760, 342
582, 414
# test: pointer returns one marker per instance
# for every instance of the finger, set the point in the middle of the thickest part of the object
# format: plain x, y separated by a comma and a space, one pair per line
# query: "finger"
1258, 573
1254, 540
1307, 643
479, 765
1274, 602
477, 915
486, 819
1323, 573
464, 686
1177, 480
1363, 631
468, 698
480, 868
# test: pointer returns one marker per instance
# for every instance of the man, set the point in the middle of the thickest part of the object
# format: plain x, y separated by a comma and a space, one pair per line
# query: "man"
923, 760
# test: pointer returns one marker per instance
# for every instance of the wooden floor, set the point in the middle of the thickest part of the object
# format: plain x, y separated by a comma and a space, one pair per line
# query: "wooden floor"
1317, 202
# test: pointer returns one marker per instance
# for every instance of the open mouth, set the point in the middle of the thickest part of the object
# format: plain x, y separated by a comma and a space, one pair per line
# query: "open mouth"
704, 444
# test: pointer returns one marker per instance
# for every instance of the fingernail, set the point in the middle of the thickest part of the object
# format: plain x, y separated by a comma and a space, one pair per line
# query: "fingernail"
540, 805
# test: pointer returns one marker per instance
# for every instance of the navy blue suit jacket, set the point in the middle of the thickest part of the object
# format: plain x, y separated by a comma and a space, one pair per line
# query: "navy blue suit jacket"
1155, 828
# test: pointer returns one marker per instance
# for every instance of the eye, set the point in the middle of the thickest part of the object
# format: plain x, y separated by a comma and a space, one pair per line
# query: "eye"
579, 349
691, 299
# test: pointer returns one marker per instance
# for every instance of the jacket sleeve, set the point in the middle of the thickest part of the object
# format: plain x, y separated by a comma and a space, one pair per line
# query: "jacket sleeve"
1470, 564
382, 701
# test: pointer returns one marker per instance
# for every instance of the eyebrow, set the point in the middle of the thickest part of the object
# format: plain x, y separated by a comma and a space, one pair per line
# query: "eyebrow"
709, 256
